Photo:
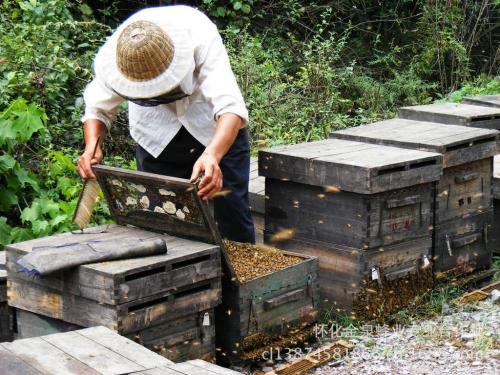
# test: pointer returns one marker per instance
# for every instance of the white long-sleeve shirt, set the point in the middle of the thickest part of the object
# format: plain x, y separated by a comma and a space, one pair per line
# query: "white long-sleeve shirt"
211, 85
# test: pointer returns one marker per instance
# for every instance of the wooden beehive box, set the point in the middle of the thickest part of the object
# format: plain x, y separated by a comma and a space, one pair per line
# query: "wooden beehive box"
256, 195
6, 324
483, 100
273, 309
464, 188
454, 114
349, 193
348, 201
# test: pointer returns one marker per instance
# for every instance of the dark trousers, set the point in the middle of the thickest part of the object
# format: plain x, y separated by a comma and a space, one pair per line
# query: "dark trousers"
232, 212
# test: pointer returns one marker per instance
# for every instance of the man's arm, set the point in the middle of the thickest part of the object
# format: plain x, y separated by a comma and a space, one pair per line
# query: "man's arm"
226, 130
93, 131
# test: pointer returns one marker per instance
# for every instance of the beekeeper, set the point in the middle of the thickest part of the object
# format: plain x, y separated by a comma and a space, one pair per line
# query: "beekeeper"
186, 112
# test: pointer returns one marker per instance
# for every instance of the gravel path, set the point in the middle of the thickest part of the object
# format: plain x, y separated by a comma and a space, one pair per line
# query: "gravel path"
465, 341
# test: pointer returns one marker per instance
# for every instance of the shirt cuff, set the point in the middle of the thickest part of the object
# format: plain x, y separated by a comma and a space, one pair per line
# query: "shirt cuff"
242, 112
92, 115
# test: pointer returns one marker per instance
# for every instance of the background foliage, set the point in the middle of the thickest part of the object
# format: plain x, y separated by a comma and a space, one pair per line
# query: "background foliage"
305, 68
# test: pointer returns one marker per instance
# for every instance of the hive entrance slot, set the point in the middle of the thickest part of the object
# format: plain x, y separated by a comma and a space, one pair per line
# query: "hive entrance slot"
422, 164
188, 262
458, 146
139, 275
188, 292
484, 140
148, 304
382, 172
483, 118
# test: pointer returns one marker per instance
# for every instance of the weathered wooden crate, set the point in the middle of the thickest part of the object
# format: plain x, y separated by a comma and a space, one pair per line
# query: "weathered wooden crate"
483, 100
350, 193
454, 114
465, 186
277, 305
463, 246
92, 351
126, 295
348, 203
6, 323
256, 195
369, 283
188, 337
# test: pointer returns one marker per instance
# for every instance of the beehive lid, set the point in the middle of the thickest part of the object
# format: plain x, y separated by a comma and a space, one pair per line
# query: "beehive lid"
159, 203
427, 136
351, 166
485, 100
453, 113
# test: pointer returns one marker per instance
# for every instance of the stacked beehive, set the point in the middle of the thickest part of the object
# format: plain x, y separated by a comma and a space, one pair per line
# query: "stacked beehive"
365, 210
5, 311
164, 302
492, 101
463, 203
476, 116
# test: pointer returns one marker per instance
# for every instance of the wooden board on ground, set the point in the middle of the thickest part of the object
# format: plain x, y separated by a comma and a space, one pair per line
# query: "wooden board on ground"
454, 114
479, 294
484, 100
351, 166
95, 350
458, 144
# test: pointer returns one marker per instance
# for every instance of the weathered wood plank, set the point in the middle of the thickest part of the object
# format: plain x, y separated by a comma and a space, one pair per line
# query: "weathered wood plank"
10, 364
34, 325
214, 368
496, 178
124, 347
93, 355
47, 358
495, 228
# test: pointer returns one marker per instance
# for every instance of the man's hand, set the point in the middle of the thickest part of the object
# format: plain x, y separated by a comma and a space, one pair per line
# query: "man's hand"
85, 161
211, 183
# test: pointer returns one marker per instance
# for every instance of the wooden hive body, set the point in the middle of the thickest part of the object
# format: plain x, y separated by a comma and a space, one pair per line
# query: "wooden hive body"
454, 114
464, 188
256, 312
348, 203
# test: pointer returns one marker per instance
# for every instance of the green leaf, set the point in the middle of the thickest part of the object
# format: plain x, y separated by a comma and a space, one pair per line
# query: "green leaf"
58, 220
7, 199
7, 162
237, 5
246, 8
7, 132
49, 207
26, 177
40, 227
31, 214
86, 10
29, 120
21, 234
5, 232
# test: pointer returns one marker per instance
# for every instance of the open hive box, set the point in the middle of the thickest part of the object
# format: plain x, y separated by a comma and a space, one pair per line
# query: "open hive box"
463, 199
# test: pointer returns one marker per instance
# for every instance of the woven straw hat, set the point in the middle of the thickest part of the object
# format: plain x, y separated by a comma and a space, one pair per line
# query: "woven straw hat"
146, 56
